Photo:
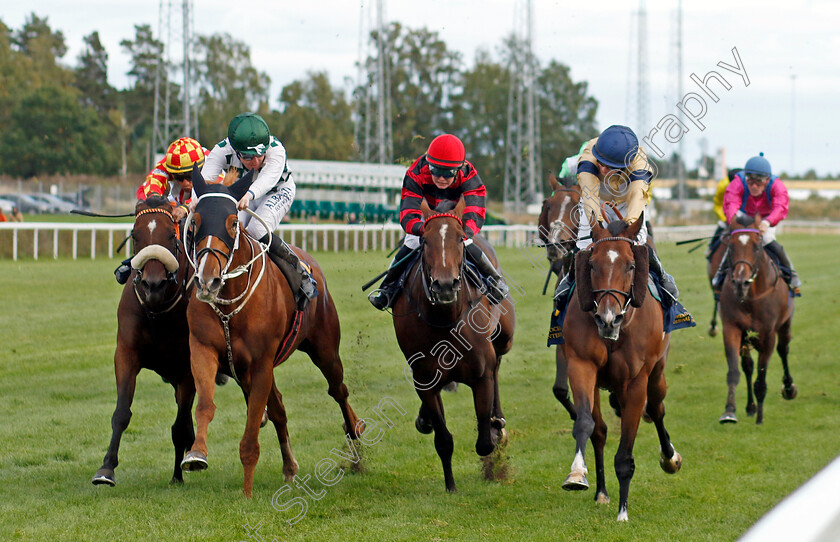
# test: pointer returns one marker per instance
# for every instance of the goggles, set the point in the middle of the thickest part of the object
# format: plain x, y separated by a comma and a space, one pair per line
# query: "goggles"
444, 172
754, 178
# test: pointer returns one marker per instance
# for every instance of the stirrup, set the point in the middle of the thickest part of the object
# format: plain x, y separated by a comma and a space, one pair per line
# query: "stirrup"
380, 299
497, 290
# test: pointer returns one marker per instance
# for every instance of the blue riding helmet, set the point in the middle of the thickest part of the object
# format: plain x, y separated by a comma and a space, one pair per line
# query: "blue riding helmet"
758, 165
616, 147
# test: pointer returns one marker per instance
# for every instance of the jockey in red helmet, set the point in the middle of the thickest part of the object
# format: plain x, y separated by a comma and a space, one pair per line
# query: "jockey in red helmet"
440, 175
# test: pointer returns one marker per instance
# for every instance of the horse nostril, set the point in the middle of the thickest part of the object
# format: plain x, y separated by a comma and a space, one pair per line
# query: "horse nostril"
618, 319
215, 284
599, 321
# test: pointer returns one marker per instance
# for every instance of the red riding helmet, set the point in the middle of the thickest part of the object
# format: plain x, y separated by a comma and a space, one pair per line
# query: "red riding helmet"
446, 151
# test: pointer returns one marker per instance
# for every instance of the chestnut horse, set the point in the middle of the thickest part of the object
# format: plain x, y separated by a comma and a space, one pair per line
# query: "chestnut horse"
755, 308
558, 230
614, 341
152, 329
450, 332
243, 318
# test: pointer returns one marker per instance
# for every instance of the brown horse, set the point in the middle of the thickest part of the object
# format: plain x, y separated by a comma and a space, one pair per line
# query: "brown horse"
558, 230
449, 332
614, 341
755, 308
152, 329
243, 317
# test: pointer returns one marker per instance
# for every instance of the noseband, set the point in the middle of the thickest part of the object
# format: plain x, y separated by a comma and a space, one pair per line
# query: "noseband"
612, 291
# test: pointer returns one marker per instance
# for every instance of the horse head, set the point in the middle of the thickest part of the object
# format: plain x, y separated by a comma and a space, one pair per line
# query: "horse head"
746, 253
612, 275
443, 252
559, 219
216, 232
157, 251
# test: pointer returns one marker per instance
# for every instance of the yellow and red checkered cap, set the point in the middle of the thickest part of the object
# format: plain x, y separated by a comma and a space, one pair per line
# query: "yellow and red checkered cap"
182, 154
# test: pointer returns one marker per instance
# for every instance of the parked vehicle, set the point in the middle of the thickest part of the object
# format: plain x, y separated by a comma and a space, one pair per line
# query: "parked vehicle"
27, 204
6, 205
58, 204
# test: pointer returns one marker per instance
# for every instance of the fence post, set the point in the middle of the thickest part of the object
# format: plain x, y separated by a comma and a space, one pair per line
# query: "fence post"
14, 244
75, 241
92, 244
55, 244
35, 244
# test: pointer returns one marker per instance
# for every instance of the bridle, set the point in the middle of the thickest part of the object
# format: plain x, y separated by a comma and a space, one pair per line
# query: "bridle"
628, 295
171, 276
753, 266
426, 273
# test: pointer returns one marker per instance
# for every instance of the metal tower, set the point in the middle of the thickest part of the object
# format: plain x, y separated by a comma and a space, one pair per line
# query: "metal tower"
373, 131
638, 94
680, 162
167, 128
522, 162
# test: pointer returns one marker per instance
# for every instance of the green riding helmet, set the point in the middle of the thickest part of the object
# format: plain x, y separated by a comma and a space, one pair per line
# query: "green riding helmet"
248, 134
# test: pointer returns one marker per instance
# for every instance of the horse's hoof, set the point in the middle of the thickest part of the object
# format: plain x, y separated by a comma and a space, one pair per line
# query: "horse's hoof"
712, 332
602, 498
672, 465
576, 481
484, 449
194, 461
175, 481
451, 387
264, 420
751, 410
221, 379
790, 393
728, 417
503, 439
498, 423
424, 426
104, 477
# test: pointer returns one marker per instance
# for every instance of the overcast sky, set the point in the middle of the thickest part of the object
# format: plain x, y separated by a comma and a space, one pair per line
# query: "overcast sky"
793, 121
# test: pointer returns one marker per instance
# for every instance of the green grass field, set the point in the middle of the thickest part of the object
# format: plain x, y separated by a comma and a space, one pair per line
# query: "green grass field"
57, 394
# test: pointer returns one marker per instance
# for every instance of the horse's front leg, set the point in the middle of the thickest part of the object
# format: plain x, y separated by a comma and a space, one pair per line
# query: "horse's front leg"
483, 399
125, 369
599, 440
277, 415
262, 378
765, 350
747, 366
433, 407
561, 383
625, 464
732, 347
204, 365
582, 376
183, 432
789, 391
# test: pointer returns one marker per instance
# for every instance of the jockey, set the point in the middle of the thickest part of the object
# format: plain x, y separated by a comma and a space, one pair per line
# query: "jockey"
441, 174
250, 146
171, 179
718, 208
614, 177
757, 191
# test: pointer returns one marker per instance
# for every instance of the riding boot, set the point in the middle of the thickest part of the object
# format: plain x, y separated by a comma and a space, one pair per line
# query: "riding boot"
497, 288
297, 272
122, 272
666, 280
720, 274
384, 296
793, 281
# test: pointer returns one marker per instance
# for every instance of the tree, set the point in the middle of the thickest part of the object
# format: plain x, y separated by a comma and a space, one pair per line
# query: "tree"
51, 132
314, 120
42, 48
92, 76
229, 84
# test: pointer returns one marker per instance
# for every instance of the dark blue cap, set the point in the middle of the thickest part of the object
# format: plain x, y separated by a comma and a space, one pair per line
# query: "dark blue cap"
616, 147
758, 165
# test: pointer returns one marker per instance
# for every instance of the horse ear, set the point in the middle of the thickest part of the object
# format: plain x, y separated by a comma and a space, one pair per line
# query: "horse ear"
597, 231
583, 281
459, 209
641, 255
757, 220
424, 207
199, 185
238, 189
552, 181
633, 229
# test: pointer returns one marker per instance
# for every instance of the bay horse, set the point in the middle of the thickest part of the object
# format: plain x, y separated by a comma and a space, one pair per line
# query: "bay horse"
558, 230
756, 309
244, 322
614, 341
152, 329
450, 332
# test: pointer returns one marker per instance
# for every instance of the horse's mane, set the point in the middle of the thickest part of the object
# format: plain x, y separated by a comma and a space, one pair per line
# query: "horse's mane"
156, 200
617, 227
445, 206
